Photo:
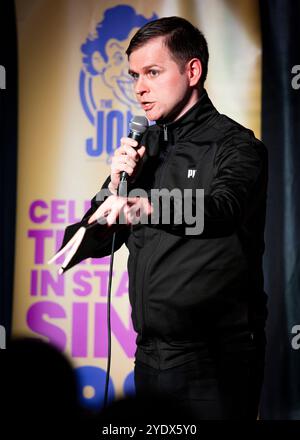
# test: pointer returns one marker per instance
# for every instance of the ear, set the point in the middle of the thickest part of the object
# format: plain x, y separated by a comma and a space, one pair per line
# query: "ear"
194, 68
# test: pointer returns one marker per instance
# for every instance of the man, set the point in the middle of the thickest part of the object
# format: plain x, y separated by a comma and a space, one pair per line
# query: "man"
198, 304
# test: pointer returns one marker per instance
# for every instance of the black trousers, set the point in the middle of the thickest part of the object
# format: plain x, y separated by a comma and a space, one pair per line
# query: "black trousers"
226, 387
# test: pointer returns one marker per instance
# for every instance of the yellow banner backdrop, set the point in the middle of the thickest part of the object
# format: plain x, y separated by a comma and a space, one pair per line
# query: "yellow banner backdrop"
75, 102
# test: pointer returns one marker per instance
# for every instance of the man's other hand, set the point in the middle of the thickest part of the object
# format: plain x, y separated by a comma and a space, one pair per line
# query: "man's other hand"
124, 210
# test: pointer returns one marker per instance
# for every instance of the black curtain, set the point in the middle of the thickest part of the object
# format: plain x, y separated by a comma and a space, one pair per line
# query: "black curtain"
8, 159
281, 134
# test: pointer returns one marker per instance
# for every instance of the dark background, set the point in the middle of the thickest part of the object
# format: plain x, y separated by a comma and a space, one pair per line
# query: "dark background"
281, 134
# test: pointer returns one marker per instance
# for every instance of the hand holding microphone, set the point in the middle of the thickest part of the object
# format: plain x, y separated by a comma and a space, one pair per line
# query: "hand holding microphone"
125, 162
126, 158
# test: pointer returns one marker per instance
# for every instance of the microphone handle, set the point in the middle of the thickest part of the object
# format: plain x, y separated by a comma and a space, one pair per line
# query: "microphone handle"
122, 189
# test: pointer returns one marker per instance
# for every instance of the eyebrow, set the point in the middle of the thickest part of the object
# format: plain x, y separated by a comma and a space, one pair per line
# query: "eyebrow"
130, 71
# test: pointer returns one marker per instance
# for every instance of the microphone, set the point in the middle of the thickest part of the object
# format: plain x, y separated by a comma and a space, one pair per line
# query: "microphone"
137, 127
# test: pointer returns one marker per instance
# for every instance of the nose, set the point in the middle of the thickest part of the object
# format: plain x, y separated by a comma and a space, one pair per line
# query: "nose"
140, 86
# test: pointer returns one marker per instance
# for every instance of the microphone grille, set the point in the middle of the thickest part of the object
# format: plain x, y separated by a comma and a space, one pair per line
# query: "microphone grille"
139, 124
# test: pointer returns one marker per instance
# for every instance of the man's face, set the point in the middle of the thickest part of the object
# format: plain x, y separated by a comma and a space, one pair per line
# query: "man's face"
162, 89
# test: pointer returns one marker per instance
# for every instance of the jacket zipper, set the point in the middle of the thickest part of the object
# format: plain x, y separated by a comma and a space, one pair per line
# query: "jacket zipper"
146, 268
171, 148
165, 128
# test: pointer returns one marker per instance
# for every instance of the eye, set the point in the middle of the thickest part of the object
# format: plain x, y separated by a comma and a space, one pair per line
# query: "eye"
134, 75
153, 73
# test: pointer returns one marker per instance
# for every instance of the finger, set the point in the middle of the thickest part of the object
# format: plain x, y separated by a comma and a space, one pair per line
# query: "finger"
126, 160
98, 217
124, 167
133, 200
123, 148
94, 216
132, 152
126, 152
128, 141
134, 215
116, 212
142, 202
103, 209
119, 151
112, 216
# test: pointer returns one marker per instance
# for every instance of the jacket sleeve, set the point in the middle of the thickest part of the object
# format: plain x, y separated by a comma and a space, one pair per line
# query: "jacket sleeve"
97, 242
237, 188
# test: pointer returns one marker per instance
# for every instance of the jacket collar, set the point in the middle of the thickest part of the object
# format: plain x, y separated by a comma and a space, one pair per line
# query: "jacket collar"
202, 114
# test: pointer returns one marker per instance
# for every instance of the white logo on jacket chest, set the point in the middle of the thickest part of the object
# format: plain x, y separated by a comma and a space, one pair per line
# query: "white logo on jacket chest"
191, 173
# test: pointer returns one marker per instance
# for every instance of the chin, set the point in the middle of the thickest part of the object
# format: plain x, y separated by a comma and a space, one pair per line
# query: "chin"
151, 117
155, 116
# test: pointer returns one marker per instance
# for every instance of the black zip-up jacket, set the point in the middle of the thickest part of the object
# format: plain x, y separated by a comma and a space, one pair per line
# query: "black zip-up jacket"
186, 290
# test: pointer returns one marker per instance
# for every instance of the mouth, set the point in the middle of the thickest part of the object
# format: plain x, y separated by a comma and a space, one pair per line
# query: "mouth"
147, 105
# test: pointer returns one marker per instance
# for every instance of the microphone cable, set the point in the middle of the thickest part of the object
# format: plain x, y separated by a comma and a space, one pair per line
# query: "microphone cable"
105, 400
138, 126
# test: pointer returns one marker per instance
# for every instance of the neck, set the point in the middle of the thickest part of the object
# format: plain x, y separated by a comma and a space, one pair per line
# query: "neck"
186, 104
